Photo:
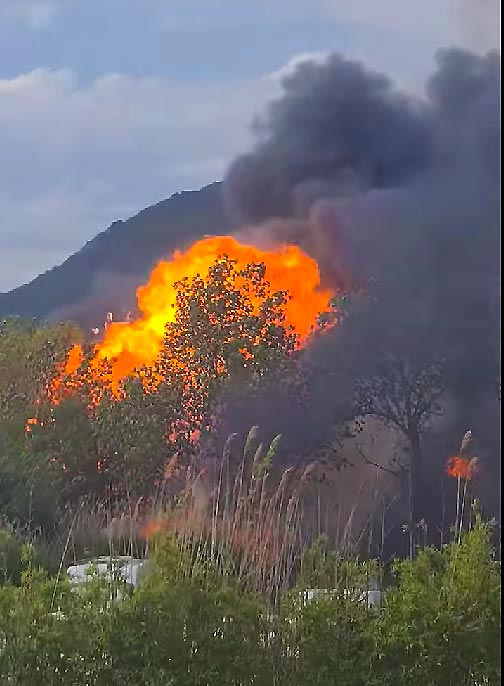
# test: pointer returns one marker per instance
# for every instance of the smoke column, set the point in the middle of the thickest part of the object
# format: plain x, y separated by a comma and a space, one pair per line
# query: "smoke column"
398, 195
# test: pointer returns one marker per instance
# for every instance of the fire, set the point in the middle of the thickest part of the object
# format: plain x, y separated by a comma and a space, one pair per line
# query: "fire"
74, 360
128, 346
31, 421
152, 528
461, 467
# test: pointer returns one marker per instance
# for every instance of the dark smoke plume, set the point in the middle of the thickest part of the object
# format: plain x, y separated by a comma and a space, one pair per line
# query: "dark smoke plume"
338, 127
401, 196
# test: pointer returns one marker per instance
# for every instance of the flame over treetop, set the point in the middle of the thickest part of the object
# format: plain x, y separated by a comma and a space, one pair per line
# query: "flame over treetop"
131, 345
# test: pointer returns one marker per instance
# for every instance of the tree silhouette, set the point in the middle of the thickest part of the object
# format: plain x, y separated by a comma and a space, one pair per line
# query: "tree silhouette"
407, 396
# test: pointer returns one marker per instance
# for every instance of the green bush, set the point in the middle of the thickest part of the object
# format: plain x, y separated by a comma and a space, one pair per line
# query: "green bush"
10, 554
188, 625
441, 624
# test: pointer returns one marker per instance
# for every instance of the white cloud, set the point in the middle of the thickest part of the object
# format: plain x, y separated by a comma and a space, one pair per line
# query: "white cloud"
76, 157
31, 14
319, 57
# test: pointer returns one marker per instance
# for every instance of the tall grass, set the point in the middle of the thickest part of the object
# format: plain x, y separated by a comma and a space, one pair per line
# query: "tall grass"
237, 514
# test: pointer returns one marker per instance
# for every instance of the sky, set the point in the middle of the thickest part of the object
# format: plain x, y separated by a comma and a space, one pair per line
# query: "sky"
108, 106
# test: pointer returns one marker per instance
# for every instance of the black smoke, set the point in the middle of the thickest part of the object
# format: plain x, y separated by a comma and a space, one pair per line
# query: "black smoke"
398, 197
337, 127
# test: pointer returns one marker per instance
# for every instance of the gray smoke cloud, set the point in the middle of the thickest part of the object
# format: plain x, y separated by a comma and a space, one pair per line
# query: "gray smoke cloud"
337, 127
401, 195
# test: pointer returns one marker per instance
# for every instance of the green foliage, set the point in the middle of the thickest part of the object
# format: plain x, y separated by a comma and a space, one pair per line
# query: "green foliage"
29, 355
441, 624
188, 625
10, 554
331, 631
194, 633
29, 352
51, 635
318, 565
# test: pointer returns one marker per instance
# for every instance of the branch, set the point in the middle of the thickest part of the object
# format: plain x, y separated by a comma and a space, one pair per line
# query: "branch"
375, 464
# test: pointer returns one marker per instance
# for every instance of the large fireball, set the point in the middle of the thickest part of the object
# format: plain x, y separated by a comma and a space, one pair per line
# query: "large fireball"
131, 345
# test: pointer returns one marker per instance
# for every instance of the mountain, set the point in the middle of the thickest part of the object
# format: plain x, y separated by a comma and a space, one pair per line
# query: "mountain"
104, 274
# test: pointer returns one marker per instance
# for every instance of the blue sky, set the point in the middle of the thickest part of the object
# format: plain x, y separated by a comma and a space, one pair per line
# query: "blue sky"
107, 106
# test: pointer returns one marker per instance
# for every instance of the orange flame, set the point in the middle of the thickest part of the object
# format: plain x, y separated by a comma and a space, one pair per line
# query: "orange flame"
32, 421
152, 528
461, 467
74, 360
127, 346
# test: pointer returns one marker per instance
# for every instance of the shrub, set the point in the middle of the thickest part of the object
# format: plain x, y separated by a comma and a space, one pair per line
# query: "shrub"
441, 624
189, 624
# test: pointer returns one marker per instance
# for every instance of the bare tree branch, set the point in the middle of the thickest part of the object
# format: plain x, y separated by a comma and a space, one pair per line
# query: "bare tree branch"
375, 464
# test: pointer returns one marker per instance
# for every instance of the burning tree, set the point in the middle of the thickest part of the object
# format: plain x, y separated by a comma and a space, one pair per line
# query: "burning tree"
407, 397
129, 346
227, 330
122, 415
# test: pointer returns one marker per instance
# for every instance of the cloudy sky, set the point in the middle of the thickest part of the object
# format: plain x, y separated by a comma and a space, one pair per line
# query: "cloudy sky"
107, 106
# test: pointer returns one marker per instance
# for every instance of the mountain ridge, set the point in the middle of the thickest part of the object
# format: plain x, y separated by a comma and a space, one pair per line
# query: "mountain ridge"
106, 271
